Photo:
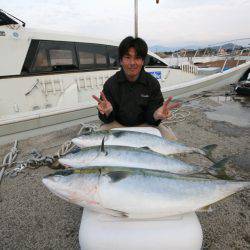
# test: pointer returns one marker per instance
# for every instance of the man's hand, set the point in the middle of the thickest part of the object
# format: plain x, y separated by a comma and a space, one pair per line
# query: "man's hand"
164, 111
104, 106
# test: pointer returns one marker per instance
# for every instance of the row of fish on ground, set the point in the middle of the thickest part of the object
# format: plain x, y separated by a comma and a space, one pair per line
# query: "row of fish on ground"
132, 174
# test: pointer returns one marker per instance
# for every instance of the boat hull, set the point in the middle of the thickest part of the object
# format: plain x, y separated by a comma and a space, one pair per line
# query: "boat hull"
23, 126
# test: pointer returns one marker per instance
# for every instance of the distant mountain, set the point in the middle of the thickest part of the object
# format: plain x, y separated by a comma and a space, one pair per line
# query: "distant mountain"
228, 46
161, 48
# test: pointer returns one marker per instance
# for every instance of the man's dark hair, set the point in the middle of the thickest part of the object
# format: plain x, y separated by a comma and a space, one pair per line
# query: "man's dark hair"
139, 44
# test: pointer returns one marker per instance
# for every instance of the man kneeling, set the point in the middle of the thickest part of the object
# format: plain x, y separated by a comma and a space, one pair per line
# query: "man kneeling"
132, 97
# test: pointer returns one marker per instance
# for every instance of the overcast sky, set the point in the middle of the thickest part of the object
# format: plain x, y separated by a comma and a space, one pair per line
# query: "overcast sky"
169, 23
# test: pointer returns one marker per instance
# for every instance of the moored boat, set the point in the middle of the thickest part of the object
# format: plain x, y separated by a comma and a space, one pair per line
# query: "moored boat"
243, 87
47, 78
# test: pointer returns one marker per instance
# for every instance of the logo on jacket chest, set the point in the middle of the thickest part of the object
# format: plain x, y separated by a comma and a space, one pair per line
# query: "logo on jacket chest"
144, 95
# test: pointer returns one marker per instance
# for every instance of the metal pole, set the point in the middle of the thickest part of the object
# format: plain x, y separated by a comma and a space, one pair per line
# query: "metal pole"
136, 18
219, 50
205, 52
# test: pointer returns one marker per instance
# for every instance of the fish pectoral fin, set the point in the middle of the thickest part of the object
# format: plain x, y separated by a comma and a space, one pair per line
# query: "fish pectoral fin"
117, 176
118, 213
110, 211
207, 208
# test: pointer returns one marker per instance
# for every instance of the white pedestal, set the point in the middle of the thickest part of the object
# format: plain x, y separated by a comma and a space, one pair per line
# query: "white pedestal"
103, 232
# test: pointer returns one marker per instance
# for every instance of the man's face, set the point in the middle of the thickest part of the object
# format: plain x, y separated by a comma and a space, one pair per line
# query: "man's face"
132, 64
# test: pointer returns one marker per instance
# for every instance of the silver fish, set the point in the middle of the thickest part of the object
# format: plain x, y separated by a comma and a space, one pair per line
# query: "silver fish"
138, 140
138, 193
121, 156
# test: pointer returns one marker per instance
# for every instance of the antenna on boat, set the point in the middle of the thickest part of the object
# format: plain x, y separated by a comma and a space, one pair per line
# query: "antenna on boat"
136, 16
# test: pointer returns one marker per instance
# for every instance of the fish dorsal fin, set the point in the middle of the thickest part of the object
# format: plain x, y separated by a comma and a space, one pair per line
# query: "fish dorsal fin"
117, 176
103, 147
146, 148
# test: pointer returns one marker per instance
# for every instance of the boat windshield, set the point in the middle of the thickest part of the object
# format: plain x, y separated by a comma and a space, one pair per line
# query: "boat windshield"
5, 20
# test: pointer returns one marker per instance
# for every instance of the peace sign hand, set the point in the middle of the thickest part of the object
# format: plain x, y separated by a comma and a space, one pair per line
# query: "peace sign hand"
104, 106
164, 111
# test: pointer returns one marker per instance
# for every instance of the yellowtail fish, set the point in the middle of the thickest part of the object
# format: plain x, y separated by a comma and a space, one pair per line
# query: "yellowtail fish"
138, 193
129, 157
138, 140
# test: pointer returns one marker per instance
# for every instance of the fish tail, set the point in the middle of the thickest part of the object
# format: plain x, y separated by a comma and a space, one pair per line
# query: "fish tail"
242, 185
207, 151
247, 185
218, 170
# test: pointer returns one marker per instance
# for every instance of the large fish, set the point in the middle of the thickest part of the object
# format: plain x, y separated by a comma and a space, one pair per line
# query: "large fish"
138, 193
122, 156
138, 140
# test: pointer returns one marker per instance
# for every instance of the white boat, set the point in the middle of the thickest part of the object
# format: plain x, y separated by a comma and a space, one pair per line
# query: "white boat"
47, 78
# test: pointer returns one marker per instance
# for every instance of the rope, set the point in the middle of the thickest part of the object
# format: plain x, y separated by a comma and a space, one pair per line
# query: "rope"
87, 128
177, 115
66, 148
8, 161
11, 156
35, 159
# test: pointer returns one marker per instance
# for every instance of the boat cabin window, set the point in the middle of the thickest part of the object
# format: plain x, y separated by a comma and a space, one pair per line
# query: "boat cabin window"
61, 57
101, 58
53, 56
50, 56
92, 56
113, 56
41, 59
151, 61
86, 58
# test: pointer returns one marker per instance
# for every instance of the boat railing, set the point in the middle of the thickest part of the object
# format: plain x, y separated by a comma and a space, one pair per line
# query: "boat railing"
213, 52
189, 68
183, 63
175, 55
224, 65
240, 54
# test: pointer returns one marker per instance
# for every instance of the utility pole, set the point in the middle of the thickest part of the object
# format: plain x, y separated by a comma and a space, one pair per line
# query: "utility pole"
136, 16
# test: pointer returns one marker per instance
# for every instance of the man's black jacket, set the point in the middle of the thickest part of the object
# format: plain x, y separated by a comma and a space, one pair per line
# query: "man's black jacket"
133, 103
